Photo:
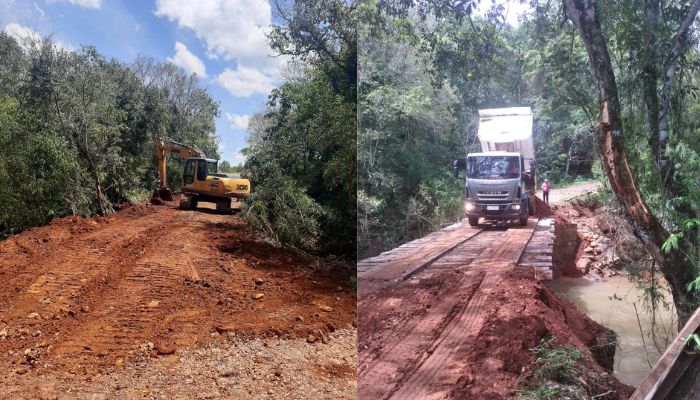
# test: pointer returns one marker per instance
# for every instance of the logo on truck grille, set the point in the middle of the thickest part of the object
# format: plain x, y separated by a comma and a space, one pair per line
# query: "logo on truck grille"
492, 192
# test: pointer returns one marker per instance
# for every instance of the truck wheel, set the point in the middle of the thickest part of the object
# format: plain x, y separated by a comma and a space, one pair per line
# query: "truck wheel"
523, 221
473, 221
531, 206
193, 203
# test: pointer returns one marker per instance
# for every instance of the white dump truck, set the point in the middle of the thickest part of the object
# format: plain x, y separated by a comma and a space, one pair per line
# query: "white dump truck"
500, 181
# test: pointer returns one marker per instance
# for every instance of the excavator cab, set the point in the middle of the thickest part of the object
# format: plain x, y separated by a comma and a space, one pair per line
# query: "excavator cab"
197, 170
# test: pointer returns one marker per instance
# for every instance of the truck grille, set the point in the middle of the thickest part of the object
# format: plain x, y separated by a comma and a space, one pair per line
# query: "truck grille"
492, 195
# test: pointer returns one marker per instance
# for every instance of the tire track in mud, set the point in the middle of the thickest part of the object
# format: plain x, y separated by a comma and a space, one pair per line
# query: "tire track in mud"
406, 364
442, 367
81, 299
70, 294
132, 304
52, 283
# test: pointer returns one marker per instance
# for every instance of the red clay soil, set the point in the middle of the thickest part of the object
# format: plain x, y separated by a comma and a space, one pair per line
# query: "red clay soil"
521, 313
543, 210
464, 330
84, 295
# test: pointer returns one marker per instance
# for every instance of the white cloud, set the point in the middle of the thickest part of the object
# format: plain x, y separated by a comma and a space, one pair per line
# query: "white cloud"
25, 36
190, 62
39, 10
512, 10
21, 33
95, 4
244, 81
232, 30
238, 157
238, 121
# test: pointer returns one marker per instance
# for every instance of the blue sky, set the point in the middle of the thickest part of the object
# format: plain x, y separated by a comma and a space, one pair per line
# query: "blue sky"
223, 41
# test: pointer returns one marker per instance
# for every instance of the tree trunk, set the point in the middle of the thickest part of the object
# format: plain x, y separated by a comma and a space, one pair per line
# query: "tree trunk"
676, 267
650, 76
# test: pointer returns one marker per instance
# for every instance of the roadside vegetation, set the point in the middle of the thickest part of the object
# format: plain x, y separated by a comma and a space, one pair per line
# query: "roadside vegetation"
559, 372
301, 153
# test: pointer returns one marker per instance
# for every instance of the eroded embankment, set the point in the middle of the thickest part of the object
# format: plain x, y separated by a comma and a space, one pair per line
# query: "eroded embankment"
522, 314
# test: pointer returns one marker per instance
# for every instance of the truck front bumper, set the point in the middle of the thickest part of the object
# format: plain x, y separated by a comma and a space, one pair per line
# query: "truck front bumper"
507, 211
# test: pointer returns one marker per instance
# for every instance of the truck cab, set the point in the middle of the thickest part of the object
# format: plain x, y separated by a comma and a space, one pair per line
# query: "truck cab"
500, 180
497, 186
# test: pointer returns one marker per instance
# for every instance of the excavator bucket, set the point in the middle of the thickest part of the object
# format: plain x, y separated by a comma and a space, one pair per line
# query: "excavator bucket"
162, 194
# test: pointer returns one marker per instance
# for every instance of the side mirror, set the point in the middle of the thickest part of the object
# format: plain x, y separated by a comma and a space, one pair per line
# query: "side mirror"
457, 165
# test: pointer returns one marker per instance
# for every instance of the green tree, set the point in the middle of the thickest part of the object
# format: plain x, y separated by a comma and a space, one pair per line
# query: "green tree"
301, 153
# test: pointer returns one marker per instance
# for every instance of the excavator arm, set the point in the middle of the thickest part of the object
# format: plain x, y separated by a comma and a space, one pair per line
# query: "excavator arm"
164, 147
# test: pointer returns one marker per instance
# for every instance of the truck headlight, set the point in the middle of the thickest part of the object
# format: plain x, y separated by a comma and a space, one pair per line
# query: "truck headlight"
515, 206
469, 207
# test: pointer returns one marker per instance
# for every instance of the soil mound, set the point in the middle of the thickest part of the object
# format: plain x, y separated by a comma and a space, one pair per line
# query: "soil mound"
543, 210
522, 314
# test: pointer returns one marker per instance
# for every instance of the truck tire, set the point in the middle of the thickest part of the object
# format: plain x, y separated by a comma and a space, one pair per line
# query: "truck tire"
473, 221
193, 203
523, 221
531, 206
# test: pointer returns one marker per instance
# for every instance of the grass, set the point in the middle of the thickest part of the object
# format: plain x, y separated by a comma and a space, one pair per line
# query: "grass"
556, 363
138, 196
556, 374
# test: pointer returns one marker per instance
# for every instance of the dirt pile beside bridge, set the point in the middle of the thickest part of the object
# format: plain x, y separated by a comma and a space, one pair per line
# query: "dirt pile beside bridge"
524, 314
85, 297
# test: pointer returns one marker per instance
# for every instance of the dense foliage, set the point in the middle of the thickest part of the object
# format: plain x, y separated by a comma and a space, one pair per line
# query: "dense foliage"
301, 153
77, 130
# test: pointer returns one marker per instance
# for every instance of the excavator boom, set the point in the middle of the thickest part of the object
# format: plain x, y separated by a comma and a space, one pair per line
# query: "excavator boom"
164, 147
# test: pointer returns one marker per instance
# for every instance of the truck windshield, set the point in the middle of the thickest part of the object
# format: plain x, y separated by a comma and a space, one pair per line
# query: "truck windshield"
493, 167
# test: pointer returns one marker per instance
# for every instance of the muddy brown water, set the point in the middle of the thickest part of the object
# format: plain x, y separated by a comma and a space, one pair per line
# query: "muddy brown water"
610, 302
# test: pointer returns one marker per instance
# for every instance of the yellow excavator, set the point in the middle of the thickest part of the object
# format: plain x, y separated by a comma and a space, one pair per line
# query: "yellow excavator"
200, 179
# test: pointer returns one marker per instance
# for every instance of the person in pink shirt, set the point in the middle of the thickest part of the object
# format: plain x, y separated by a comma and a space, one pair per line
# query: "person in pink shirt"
545, 191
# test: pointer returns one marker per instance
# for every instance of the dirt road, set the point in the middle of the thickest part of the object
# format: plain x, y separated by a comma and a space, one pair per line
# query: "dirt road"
561, 195
411, 331
104, 297
460, 323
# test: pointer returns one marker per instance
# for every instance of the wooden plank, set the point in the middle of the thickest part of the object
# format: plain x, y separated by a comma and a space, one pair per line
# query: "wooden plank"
414, 260
670, 367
